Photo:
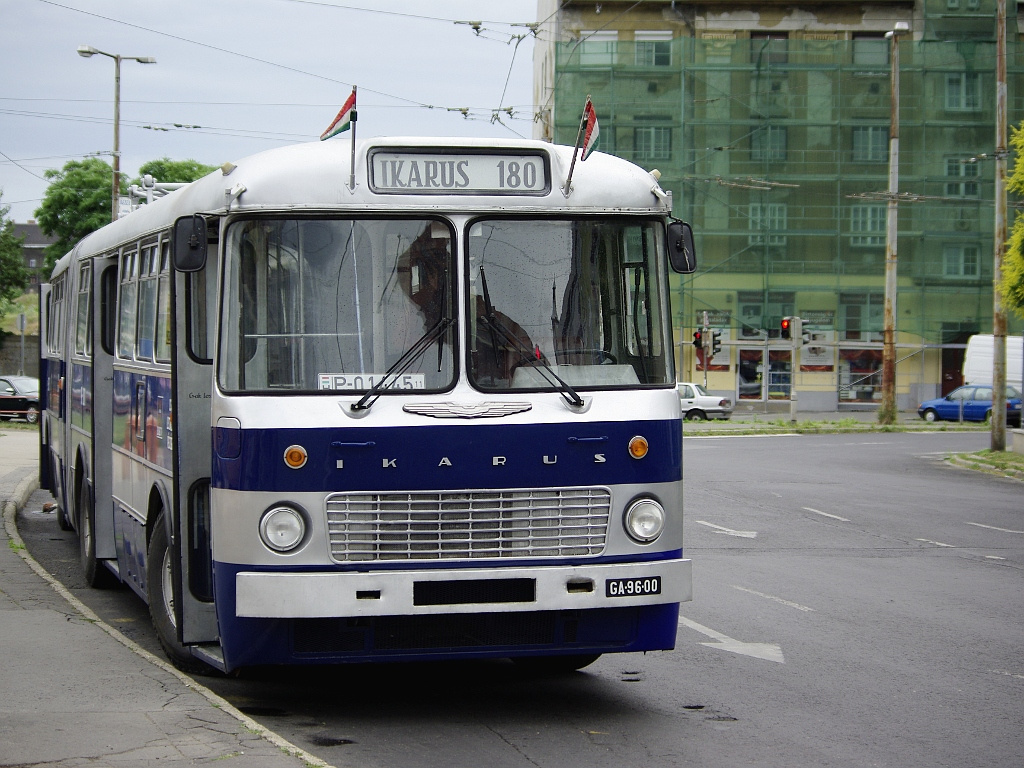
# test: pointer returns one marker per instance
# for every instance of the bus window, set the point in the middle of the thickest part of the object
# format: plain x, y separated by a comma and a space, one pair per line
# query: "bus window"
146, 319
331, 305
643, 337
163, 306
199, 301
83, 324
126, 306
579, 298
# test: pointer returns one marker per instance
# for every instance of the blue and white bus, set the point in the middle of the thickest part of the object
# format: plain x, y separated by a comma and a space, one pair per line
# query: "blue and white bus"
429, 414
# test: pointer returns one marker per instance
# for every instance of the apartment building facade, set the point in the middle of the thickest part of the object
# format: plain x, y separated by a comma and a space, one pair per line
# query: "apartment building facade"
770, 124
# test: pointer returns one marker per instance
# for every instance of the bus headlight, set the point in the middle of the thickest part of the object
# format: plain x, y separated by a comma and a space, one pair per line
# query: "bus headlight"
282, 528
645, 520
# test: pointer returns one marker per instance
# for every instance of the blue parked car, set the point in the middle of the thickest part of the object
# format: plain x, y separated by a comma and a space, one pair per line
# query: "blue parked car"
971, 402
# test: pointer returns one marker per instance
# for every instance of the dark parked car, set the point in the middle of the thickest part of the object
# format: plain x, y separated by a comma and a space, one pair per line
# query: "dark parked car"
971, 402
19, 398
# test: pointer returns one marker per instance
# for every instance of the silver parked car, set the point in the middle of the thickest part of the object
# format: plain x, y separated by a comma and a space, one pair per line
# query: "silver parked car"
699, 404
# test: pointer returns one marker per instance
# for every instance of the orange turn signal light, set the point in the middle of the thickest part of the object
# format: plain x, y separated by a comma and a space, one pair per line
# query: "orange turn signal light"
295, 456
638, 447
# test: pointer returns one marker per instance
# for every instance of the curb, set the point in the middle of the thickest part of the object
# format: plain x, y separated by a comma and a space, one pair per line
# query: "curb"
10, 508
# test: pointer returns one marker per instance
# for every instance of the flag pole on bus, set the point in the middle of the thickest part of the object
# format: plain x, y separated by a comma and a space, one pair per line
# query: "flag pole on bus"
345, 119
588, 133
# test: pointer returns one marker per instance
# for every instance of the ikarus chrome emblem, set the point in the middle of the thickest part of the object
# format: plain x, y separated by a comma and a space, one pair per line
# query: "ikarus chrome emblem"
449, 410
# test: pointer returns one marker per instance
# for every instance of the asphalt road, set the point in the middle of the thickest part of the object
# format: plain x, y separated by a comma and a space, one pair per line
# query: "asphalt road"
858, 602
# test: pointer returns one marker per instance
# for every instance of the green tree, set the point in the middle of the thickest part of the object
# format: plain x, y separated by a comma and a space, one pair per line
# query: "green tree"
76, 203
170, 171
14, 275
1013, 259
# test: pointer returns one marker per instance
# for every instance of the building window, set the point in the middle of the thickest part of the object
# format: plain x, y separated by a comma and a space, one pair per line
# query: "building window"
962, 175
767, 223
653, 142
960, 261
862, 316
870, 51
768, 143
597, 47
867, 225
653, 48
963, 92
870, 143
769, 48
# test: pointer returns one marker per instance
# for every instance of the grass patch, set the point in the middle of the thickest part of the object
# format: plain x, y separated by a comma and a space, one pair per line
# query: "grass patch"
27, 303
1001, 463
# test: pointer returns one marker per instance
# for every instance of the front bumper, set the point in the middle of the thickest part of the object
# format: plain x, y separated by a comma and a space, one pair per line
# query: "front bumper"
394, 593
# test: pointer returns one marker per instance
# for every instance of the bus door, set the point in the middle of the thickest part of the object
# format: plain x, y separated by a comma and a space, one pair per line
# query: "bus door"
47, 477
194, 302
98, 411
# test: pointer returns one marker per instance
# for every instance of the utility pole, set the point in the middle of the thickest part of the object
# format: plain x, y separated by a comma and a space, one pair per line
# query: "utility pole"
887, 409
998, 442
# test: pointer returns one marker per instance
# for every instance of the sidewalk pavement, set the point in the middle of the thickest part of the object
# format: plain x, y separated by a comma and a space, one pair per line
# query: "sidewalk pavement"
74, 692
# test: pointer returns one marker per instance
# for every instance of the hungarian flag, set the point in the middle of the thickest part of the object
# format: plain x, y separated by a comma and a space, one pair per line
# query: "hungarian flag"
344, 120
591, 131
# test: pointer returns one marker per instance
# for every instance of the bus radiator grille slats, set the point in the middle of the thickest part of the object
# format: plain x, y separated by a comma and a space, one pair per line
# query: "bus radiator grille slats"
438, 525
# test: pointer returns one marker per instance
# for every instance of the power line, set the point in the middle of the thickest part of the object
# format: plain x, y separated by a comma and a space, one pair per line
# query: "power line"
246, 56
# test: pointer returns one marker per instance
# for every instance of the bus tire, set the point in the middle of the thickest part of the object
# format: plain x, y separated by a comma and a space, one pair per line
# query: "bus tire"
160, 587
62, 520
96, 574
555, 665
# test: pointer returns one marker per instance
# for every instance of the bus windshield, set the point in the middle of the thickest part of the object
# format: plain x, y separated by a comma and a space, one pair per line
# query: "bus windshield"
316, 304
577, 302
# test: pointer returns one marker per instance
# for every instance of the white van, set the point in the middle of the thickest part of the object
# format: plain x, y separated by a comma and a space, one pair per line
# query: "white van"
978, 360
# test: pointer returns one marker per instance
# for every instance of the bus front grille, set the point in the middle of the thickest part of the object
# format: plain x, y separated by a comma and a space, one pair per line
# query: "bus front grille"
440, 525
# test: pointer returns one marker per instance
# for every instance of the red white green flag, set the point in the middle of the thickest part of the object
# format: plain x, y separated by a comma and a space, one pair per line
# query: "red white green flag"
591, 131
344, 120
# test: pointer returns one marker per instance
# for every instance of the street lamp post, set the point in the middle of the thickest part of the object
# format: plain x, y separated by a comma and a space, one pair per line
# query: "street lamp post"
87, 51
887, 410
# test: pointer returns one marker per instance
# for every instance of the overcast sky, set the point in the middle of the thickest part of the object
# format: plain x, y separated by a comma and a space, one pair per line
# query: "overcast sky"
234, 77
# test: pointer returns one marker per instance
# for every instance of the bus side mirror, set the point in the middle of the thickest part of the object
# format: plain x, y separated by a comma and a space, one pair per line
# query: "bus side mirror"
189, 243
681, 253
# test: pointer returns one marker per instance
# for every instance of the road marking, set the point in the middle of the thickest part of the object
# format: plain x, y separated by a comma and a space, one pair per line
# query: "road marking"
1008, 674
994, 557
729, 531
993, 528
723, 437
766, 651
827, 514
790, 603
936, 543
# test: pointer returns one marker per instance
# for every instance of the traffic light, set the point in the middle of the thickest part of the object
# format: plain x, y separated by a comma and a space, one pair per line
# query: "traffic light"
792, 327
698, 339
716, 341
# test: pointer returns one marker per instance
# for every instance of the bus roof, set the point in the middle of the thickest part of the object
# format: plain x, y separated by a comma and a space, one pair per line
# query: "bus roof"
315, 176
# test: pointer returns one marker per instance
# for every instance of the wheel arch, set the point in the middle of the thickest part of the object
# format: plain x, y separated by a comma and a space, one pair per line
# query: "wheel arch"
81, 481
159, 501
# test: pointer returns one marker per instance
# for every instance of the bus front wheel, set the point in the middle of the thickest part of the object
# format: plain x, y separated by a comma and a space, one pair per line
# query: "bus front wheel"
96, 574
160, 586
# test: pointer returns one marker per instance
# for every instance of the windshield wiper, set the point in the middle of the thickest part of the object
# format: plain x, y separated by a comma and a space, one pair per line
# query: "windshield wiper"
411, 355
536, 360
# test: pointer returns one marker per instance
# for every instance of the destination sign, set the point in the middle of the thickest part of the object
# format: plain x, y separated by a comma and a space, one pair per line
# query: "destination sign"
443, 173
